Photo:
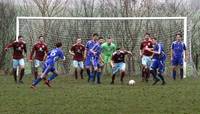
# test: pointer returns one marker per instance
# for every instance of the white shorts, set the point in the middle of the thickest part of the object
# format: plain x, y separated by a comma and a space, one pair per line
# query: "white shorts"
18, 62
38, 63
118, 67
146, 61
78, 64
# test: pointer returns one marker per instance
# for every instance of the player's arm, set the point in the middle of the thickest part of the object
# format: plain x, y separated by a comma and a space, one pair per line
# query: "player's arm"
171, 52
84, 53
186, 54
32, 53
8, 46
141, 50
46, 53
101, 58
112, 61
155, 52
71, 51
62, 56
93, 49
128, 52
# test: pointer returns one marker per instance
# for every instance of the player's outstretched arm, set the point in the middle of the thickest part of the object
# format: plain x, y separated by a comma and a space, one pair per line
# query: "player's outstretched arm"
32, 53
112, 63
8, 46
72, 53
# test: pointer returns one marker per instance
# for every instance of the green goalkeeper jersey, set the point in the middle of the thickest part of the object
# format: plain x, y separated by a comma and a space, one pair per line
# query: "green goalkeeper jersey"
107, 49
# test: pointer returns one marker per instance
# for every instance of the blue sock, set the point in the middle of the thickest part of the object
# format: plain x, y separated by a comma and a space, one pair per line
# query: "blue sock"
98, 77
98, 74
174, 74
52, 77
91, 76
35, 82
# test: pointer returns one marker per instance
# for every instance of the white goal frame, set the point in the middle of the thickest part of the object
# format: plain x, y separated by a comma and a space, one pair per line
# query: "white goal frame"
109, 18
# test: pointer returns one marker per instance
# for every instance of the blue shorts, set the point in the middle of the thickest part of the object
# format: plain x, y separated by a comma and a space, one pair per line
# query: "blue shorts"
48, 68
18, 62
158, 65
177, 61
88, 61
96, 63
118, 67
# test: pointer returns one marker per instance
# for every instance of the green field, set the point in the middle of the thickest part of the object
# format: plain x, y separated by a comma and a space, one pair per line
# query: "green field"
68, 96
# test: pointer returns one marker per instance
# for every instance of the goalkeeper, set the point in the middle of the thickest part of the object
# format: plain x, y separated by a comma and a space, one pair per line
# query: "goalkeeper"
108, 48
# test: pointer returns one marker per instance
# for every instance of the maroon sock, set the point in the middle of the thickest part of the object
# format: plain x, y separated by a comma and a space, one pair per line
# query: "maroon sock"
15, 74
147, 73
113, 78
76, 74
81, 73
21, 74
143, 73
35, 74
122, 76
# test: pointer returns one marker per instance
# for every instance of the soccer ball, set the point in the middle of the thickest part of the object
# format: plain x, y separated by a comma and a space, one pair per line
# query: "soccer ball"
131, 82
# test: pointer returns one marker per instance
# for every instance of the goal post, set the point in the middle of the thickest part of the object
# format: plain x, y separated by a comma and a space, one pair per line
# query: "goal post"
184, 19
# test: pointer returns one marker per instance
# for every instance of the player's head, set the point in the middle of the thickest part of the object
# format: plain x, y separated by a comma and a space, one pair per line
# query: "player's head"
20, 38
41, 38
146, 36
95, 36
58, 44
178, 36
118, 50
78, 40
154, 40
100, 39
109, 40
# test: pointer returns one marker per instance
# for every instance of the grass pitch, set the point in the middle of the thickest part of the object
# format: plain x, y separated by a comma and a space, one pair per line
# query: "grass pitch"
70, 96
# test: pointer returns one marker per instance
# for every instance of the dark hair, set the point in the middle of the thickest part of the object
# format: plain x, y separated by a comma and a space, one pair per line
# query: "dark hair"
118, 48
154, 38
40, 36
147, 33
59, 44
20, 36
95, 34
179, 33
100, 38
109, 38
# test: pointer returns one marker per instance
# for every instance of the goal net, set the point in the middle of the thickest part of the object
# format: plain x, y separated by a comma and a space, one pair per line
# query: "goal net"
127, 32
